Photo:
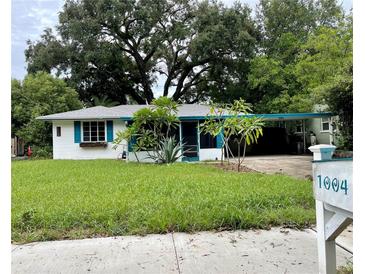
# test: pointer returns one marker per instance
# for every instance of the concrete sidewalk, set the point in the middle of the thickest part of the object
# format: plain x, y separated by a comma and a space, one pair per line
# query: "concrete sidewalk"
274, 251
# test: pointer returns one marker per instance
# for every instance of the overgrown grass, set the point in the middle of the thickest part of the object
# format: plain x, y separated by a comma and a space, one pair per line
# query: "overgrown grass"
54, 199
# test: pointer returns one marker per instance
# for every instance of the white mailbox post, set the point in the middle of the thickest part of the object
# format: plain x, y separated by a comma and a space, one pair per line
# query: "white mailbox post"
333, 187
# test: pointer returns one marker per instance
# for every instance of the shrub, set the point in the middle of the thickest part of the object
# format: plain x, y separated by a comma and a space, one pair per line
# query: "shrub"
42, 152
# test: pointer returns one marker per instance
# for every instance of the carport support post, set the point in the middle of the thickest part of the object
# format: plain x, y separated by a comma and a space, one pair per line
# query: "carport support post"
331, 131
304, 145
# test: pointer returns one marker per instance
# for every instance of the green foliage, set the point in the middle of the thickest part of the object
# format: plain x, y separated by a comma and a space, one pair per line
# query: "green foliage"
39, 94
151, 127
168, 151
286, 21
104, 101
340, 100
325, 68
287, 58
110, 198
346, 269
326, 56
44, 152
244, 129
118, 48
279, 78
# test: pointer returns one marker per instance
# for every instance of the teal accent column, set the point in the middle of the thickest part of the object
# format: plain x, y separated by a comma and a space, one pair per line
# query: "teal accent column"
77, 131
131, 143
109, 131
198, 138
220, 140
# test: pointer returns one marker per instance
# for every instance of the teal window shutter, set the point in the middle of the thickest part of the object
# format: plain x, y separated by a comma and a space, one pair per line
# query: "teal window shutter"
220, 140
109, 131
77, 131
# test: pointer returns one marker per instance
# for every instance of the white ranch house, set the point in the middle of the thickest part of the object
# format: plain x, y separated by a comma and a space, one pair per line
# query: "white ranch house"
88, 133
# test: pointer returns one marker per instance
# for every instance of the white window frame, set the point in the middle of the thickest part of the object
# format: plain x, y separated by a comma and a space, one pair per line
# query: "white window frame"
97, 132
329, 124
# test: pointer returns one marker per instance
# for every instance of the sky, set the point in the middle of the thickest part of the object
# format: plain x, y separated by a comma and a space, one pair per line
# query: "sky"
31, 17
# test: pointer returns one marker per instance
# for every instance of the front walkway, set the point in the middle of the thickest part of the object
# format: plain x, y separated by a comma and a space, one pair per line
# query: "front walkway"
261, 251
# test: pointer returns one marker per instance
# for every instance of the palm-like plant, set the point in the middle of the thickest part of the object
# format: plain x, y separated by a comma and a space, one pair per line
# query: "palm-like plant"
168, 151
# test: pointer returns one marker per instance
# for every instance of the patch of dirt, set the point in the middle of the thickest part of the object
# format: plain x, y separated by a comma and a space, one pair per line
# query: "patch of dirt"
233, 167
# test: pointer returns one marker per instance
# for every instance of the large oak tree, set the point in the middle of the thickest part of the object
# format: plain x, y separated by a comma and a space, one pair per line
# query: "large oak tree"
119, 48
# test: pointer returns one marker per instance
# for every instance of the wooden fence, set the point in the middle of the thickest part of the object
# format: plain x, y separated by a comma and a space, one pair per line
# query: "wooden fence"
17, 147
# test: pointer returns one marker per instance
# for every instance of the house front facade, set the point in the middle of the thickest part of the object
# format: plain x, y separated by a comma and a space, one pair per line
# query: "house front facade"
89, 133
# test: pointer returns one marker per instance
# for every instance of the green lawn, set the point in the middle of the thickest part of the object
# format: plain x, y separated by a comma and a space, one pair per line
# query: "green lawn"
54, 199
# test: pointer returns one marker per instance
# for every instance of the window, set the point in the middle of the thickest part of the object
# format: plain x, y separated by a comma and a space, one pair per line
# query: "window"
58, 129
325, 124
299, 127
207, 141
93, 131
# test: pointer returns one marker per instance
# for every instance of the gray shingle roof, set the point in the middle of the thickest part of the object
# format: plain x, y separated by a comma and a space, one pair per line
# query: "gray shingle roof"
122, 111
98, 112
185, 111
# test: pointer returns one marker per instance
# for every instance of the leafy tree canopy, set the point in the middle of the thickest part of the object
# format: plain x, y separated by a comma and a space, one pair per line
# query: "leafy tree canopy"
289, 29
325, 68
39, 94
118, 48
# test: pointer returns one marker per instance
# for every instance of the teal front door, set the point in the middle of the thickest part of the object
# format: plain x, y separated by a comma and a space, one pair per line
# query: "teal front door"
189, 134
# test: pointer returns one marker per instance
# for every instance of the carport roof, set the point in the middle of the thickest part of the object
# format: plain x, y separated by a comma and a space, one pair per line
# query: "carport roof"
185, 112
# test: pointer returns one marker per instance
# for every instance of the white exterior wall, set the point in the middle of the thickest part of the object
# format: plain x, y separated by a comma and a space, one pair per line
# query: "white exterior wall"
64, 147
204, 155
209, 154
142, 157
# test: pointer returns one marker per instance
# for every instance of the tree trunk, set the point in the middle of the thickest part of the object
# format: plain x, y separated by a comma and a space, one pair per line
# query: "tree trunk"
226, 145
244, 151
239, 157
135, 154
222, 153
141, 65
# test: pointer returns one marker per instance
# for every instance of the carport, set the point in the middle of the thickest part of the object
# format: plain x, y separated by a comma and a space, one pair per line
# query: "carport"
271, 141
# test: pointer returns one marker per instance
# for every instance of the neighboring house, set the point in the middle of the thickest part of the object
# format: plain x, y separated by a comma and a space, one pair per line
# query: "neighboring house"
88, 133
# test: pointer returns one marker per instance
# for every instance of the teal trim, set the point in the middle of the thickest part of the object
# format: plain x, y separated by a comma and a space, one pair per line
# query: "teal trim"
180, 134
190, 159
126, 118
109, 131
131, 144
198, 137
220, 140
77, 132
327, 149
283, 116
333, 160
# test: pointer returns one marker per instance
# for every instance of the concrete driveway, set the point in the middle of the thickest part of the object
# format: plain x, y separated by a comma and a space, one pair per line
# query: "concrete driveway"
293, 165
255, 251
